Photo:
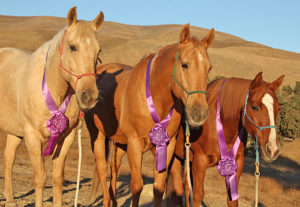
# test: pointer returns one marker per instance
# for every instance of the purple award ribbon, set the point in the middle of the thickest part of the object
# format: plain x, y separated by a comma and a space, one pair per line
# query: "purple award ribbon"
58, 121
158, 134
227, 166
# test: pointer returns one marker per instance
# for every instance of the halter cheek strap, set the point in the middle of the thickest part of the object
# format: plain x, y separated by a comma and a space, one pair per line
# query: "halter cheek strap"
67, 70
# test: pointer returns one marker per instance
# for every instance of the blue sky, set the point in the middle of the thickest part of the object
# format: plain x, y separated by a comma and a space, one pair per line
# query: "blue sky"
275, 23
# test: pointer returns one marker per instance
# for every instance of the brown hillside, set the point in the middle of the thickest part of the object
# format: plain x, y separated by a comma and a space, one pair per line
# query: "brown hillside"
230, 55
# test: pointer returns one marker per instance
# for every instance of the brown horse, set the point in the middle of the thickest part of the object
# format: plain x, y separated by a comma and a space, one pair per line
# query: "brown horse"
125, 118
262, 107
69, 62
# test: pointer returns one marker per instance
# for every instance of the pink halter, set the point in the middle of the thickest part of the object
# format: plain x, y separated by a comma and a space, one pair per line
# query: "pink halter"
67, 70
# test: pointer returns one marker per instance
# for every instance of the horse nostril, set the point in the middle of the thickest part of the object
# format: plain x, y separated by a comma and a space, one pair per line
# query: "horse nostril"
196, 115
86, 97
205, 115
268, 149
276, 153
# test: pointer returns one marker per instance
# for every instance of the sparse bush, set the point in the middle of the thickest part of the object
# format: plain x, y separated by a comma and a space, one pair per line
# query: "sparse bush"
288, 119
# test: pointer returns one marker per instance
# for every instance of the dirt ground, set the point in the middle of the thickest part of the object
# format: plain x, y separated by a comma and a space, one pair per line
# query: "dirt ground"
279, 183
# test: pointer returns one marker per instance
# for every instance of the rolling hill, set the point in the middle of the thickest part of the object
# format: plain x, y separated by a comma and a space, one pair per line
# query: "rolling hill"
230, 55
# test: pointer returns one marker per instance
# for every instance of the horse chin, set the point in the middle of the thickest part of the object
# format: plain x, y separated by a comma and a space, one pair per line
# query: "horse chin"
195, 124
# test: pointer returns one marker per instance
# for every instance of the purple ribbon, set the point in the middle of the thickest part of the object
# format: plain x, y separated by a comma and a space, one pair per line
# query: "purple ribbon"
158, 134
227, 166
58, 121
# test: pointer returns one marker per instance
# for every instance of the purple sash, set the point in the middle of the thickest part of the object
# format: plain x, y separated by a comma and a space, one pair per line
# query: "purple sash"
227, 166
158, 134
58, 121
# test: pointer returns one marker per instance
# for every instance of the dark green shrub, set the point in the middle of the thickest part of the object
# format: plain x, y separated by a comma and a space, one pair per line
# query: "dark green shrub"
288, 120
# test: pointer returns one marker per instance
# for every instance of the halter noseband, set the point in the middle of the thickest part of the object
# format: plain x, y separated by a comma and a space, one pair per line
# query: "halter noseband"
188, 92
67, 70
259, 127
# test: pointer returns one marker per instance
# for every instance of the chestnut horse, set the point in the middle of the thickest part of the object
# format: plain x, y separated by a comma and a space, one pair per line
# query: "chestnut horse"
124, 115
237, 111
67, 62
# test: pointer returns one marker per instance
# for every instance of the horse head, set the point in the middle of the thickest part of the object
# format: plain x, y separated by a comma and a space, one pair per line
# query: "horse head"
262, 109
191, 73
79, 52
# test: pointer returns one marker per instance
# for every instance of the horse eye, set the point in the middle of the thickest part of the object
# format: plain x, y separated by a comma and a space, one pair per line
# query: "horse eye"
184, 65
255, 108
73, 47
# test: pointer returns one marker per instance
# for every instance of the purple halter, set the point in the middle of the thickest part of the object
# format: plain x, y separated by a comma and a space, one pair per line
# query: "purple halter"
227, 166
158, 134
58, 121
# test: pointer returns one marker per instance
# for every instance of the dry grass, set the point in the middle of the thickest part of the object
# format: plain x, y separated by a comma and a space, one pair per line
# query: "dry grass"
272, 193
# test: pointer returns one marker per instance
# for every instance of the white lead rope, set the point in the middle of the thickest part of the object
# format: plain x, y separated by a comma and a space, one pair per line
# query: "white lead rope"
79, 159
257, 174
187, 162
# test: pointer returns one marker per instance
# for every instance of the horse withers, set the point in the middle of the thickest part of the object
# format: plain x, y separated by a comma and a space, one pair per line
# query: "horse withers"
168, 79
238, 104
63, 68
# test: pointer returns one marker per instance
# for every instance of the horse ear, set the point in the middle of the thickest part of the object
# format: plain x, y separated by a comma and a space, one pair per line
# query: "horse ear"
276, 83
209, 38
185, 34
258, 79
72, 16
97, 22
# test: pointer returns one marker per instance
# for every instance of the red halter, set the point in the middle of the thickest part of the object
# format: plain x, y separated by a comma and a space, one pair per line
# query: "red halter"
68, 71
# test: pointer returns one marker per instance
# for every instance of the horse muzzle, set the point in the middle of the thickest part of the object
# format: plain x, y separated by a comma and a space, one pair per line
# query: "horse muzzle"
87, 99
270, 152
197, 115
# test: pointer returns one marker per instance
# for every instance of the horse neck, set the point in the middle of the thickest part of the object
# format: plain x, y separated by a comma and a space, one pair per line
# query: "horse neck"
160, 81
56, 83
232, 106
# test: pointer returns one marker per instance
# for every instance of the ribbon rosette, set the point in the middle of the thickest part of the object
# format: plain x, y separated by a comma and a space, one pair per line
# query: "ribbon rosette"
57, 123
159, 137
227, 166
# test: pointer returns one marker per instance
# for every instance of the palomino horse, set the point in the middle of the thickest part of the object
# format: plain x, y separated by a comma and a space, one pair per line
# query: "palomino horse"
69, 61
237, 110
124, 115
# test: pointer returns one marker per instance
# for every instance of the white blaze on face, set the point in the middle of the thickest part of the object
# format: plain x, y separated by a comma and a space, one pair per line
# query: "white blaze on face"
200, 57
88, 41
268, 101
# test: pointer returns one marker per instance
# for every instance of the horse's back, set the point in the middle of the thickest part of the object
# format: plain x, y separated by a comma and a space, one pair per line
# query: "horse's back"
112, 67
9, 54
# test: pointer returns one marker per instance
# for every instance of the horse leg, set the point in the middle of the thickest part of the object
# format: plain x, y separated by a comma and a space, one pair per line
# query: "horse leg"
12, 144
34, 147
198, 173
115, 165
175, 172
160, 177
134, 153
59, 158
240, 164
99, 153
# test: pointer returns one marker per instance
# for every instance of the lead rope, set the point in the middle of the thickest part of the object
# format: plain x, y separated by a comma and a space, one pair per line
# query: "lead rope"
79, 128
257, 172
187, 161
